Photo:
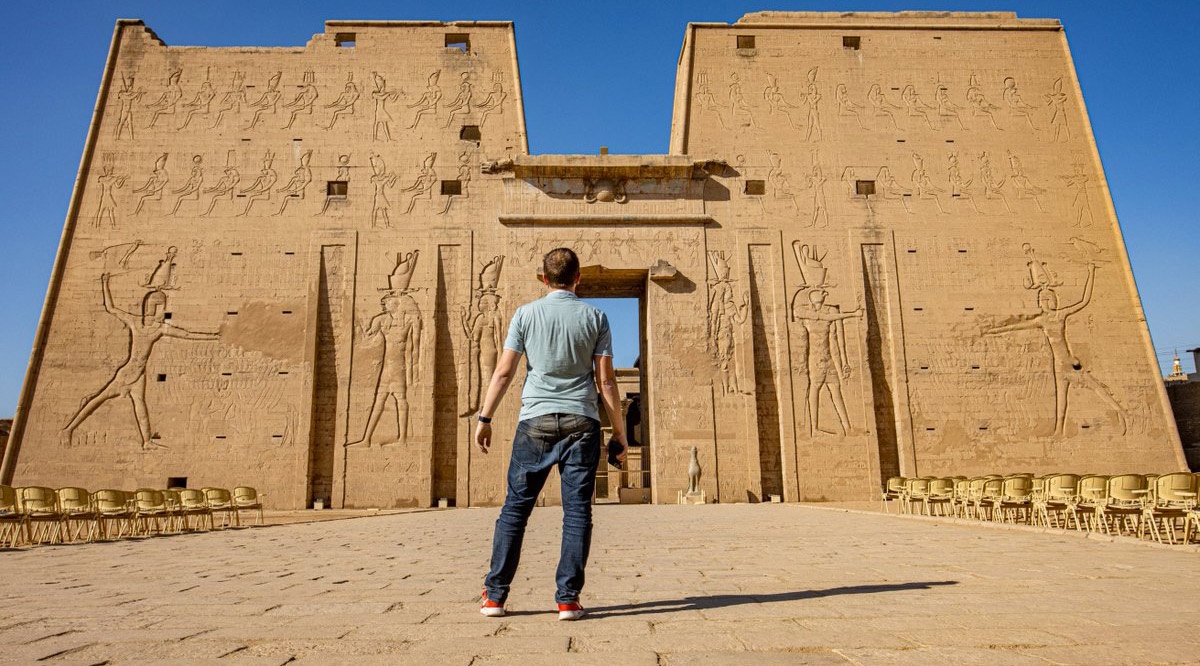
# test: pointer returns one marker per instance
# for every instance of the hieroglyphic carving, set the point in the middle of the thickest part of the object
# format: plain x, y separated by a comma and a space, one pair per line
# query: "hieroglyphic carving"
1081, 207
260, 189
1024, 187
152, 189
294, 189
1068, 369
824, 339
946, 109
812, 98
706, 101
382, 124
604, 190
167, 102
162, 277
226, 187
190, 191
1057, 101
881, 106
127, 97
890, 190
483, 328
816, 182
200, 105
232, 100
464, 181
429, 100
268, 102
343, 175
1017, 107
423, 185
846, 106
494, 102
345, 103
460, 105
776, 103
958, 186
724, 316
304, 100
991, 186
978, 101
381, 180
737, 103
923, 184
129, 380
781, 187
398, 328
915, 106
116, 257
109, 182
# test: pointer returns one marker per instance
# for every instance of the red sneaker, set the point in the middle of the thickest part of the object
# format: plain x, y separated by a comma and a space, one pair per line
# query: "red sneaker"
490, 608
571, 611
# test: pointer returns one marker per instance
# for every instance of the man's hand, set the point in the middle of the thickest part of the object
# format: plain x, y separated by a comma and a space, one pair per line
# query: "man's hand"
620, 439
483, 436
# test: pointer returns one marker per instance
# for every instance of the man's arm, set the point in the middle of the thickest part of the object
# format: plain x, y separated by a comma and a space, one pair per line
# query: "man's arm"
606, 379
501, 379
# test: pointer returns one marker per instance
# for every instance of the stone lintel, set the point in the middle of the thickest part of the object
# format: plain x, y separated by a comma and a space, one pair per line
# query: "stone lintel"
603, 166
567, 220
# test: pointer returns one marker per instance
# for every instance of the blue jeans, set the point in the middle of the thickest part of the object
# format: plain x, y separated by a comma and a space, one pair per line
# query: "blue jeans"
572, 443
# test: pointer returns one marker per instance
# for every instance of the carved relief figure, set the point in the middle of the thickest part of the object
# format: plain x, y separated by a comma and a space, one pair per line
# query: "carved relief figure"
816, 182
383, 119
958, 186
381, 180
827, 362
812, 98
268, 102
428, 102
344, 104
775, 101
890, 190
461, 105
464, 181
1081, 207
225, 188
201, 104
1025, 188
294, 189
737, 103
706, 101
881, 106
162, 277
167, 101
423, 185
947, 109
915, 106
260, 189
232, 100
153, 188
924, 184
780, 187
129, 381
1067, 368
1057, 101
846, 106
494, 102
980, 106
304, 100
991, 187
190, 191
484, 330
724, 316
1017, 106
398, 328
343, 175
127, 97
109, 182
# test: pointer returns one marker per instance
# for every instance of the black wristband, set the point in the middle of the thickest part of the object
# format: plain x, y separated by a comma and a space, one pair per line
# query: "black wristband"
483, 419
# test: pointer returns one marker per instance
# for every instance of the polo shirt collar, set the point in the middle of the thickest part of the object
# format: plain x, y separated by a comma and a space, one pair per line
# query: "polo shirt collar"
561, 293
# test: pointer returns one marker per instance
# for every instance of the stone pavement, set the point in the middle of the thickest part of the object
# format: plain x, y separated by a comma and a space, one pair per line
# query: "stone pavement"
722, 584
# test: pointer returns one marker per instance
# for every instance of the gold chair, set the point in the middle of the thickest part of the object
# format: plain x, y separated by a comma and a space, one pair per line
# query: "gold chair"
40, 506
246, 498
1058, 493
221, 501
974, 496
939, 493
75, 506
14, 528
152, 514
1125, 499
194, 504
962, 497
111, 506
1173, 499
893, 491
989, 493
1014, 499
915, 491
175, 506
1092, 493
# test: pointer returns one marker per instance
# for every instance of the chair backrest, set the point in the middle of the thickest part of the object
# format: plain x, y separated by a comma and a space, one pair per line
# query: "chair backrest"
149, 499
1092, 487
193, 498
1177, 488
1128, 488
1062, 486
992, 488
8, 499
74, 500
894, 485
917, 487
109, 500
37, 499
218, 497
1017, 487
248, 495
962, 487
941, 487
171, 497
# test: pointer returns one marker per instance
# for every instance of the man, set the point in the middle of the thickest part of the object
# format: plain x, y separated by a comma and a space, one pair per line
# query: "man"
568, 345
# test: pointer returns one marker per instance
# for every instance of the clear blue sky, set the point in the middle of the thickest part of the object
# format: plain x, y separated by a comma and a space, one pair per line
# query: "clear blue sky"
609, 68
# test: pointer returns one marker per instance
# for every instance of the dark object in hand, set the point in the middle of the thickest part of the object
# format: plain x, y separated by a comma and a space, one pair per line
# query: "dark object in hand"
615, 449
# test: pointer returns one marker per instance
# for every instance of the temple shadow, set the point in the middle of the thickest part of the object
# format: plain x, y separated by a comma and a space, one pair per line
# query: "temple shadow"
726, 600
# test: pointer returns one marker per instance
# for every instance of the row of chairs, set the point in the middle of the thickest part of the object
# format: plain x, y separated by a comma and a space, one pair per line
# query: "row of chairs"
1162, 507
37, 514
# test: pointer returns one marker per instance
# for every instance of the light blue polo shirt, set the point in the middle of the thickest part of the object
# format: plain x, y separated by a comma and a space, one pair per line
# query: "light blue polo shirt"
559, 334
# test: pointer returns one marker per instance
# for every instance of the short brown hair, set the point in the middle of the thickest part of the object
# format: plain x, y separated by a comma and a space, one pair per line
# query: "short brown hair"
561, 267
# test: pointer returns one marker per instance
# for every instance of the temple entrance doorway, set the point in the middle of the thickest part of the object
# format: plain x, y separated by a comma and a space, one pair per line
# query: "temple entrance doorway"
622, 296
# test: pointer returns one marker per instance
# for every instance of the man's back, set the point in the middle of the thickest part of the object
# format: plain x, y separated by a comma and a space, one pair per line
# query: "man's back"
560, 335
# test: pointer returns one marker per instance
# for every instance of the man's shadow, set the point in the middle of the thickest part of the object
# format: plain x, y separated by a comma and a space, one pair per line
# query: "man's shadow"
726, 600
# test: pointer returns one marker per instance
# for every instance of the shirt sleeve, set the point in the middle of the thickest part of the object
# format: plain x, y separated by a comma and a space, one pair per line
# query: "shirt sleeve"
604, 339
516, 334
